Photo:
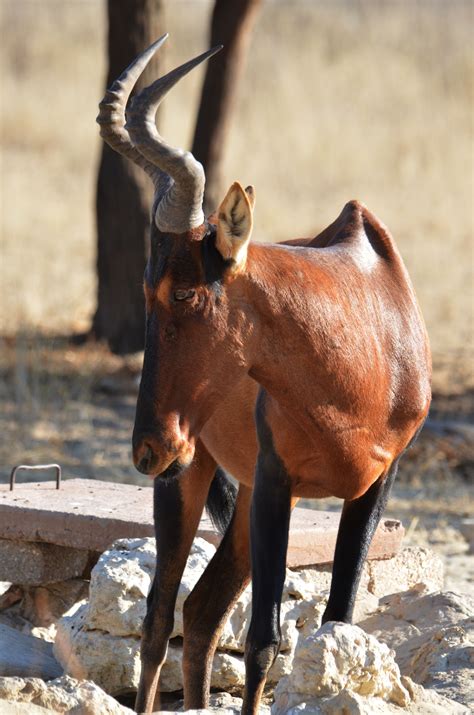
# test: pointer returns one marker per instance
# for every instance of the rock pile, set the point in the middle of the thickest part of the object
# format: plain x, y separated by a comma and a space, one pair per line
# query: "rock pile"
414, 637
433, 638
341, 669
63, 695
99, 639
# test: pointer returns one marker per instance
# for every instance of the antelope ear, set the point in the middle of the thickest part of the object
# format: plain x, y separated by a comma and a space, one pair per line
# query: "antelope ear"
234, 224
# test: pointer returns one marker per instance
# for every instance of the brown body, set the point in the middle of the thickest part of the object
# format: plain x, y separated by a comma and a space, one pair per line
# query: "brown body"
330, 329
302, 369
342, 351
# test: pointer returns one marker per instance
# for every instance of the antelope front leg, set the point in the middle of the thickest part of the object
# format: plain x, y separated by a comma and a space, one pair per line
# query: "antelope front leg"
178, 506
269, 526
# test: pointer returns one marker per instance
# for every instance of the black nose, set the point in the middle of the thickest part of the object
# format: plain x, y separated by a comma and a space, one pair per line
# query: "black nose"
146, 460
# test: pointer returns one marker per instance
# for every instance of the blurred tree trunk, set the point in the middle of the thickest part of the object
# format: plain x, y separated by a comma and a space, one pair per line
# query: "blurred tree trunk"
232, 24
124, 192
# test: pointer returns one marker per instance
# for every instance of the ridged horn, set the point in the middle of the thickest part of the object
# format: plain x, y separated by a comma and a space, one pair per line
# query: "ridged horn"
179, 178
111, 116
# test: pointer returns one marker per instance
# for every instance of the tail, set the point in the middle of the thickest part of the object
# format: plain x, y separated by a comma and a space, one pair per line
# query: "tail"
221, 500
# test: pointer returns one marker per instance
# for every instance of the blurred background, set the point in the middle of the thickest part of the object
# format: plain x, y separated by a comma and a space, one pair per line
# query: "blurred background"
336, 100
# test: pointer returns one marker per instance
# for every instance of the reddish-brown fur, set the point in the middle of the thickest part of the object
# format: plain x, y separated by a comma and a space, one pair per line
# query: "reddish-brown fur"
330, 327
336, 338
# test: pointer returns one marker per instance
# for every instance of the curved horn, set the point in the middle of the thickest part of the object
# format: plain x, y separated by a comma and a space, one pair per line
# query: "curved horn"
112, 111
180, 208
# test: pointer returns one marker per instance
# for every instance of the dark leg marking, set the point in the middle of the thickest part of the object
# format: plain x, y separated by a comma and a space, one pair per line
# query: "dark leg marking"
178, 505
208, 606
359, 520
269, 526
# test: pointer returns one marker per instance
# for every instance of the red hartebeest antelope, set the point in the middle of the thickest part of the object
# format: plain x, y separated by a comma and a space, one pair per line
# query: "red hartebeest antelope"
303, 369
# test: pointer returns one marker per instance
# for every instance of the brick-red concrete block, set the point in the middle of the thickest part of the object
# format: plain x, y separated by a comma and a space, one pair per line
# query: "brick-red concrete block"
90, 514
83, 513
313, 537
32, 564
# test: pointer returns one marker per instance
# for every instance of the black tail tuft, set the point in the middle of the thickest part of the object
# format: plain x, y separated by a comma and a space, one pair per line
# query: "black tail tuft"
221, 500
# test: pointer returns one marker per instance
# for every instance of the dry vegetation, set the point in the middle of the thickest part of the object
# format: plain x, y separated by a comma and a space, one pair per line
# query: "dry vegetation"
340, 99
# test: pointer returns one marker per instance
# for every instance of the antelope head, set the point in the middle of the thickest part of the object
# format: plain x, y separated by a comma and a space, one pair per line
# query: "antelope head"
197, 335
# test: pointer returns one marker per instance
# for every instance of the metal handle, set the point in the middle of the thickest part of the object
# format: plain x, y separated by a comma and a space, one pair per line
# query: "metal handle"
34, 468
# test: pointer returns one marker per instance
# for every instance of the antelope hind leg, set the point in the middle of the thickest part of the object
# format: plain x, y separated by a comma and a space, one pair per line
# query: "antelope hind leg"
359, 520
208, 606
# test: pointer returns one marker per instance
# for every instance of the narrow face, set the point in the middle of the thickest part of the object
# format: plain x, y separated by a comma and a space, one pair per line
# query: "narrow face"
197, 340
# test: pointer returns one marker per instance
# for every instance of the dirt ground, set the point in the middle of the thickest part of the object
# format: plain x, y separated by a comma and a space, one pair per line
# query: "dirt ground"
75, 405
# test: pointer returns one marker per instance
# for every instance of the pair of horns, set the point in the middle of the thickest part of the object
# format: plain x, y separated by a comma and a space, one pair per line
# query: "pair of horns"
131, 130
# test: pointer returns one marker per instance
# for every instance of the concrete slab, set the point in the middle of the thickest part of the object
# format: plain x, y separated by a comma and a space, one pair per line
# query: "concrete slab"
82, 514
313, 537
90, 514
33, 564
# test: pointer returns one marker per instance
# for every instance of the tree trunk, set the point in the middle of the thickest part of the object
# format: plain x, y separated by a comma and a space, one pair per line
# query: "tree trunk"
232, 23
124, 192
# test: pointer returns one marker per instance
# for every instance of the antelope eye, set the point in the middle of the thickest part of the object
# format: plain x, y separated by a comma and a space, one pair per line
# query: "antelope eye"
184, 293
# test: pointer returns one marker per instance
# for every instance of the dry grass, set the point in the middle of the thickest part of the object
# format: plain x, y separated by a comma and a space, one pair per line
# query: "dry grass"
364, 99
340, 100
71, 405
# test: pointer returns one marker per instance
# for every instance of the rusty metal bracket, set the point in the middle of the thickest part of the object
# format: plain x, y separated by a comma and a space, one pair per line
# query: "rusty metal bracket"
34, 468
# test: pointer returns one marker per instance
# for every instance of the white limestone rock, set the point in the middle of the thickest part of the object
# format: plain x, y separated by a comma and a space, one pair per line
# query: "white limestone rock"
295, 610
7, 708
113, 662
341, 669
433, 637
122, 577
347, 703
228, 672
341, 657
414, 612
119, 585
411, 566
62, 695
100, 640
446, 662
